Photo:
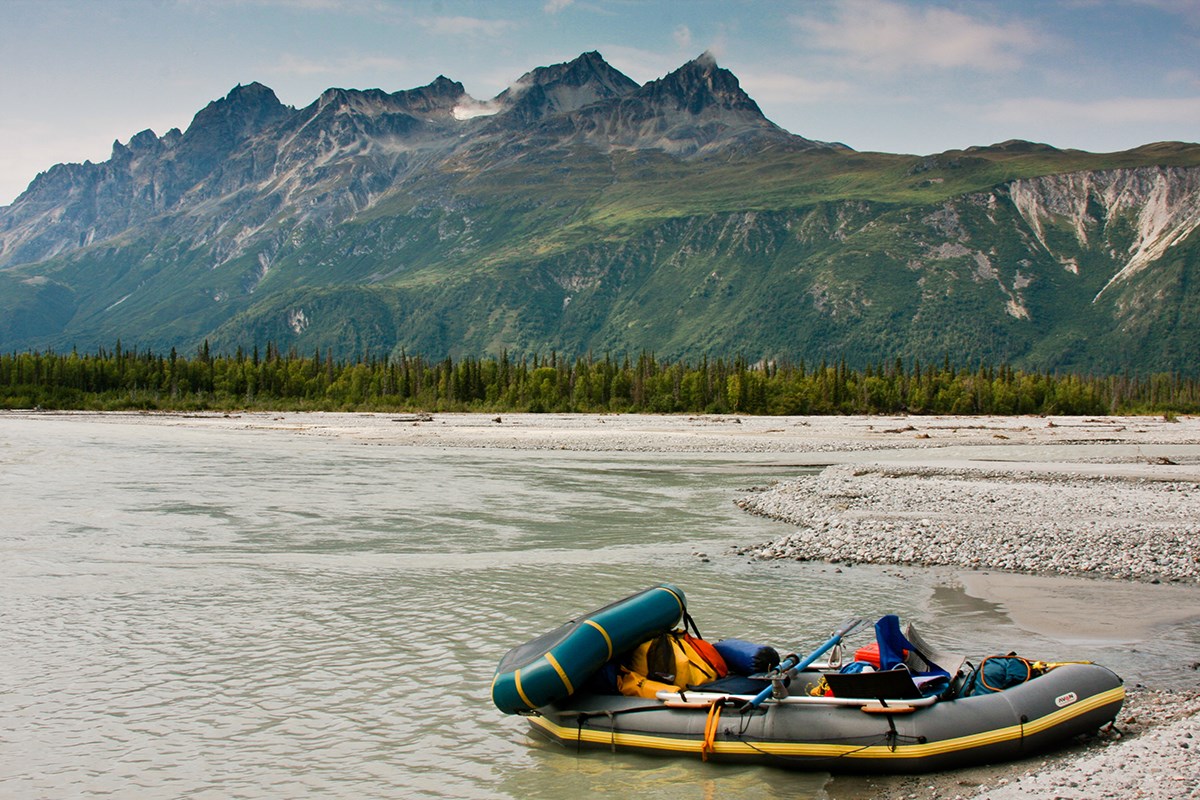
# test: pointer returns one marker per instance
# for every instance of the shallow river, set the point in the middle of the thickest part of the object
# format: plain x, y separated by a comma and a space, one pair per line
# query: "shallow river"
220, 614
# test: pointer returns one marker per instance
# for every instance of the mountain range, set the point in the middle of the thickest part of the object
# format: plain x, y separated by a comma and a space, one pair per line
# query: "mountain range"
578, 211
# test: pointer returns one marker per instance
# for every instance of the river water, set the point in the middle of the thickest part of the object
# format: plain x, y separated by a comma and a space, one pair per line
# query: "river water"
238, 614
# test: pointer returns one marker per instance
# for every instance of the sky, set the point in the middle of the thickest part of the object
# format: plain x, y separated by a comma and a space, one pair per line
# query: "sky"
898, 76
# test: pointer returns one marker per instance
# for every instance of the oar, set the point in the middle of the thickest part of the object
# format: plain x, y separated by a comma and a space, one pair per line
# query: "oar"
794, 662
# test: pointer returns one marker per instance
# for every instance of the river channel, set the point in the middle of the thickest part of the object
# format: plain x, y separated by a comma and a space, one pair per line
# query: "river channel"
239, 614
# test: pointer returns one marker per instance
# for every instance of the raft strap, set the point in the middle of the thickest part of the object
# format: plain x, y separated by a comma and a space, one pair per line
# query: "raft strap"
886, 709
710, 729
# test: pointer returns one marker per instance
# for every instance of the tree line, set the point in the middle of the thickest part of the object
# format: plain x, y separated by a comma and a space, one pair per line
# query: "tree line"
121, 379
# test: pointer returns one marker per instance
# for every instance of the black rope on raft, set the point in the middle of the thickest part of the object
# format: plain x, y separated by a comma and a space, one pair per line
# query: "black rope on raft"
579, 734
610, 713
581, 718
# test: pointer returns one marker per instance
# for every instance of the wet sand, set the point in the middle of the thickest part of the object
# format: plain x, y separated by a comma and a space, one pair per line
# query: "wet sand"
1065, 608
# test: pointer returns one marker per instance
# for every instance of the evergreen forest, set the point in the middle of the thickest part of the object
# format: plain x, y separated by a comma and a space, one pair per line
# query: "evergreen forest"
121, 379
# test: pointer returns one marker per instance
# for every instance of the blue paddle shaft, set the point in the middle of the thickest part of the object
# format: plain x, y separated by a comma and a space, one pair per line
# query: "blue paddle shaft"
813, 656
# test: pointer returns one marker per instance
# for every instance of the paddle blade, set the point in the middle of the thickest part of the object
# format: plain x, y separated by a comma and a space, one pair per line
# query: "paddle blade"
848, 627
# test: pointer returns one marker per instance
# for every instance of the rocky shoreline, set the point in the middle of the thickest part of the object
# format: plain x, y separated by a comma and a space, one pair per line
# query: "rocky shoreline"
1150, 753
1153, 757
1149, 444
1063, 523
1041, 519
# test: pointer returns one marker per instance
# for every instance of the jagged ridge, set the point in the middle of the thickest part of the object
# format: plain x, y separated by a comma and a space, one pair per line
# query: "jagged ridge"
580, 211
350, 147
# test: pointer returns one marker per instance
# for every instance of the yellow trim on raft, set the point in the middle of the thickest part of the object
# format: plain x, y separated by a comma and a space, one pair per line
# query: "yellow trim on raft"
1069, 712
653, 741
562, 675
678, 599
604, 633
517, 682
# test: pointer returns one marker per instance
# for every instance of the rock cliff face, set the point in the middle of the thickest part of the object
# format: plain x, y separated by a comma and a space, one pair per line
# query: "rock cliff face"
578, 210
1161, 204
561, 89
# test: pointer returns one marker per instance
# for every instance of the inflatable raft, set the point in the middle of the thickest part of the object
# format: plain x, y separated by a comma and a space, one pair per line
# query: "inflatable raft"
847, 734
558, 663
890, 727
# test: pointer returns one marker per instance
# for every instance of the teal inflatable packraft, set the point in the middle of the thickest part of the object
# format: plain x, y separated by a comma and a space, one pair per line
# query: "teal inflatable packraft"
556, 664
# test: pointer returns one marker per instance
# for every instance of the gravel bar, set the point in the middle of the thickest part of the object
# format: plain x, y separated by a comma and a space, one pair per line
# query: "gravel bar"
1045, 522
1150, 753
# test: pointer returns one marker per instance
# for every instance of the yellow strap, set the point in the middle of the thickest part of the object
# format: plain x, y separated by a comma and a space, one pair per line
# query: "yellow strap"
710, 730
678, 599
604, 633
521, 691
562, 675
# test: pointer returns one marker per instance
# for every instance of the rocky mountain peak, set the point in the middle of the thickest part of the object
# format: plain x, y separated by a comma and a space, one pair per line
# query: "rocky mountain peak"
588, 68
562, 88
140, 144
363, 101
701, 84
144, 141
224, 125
697, 109
436, 99
246, 110
442, 95
332, 96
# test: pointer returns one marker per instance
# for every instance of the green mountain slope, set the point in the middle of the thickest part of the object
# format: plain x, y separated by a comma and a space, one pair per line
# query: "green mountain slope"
671, 217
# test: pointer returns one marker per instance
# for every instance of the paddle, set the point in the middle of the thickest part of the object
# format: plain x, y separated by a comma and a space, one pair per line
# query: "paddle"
794, 662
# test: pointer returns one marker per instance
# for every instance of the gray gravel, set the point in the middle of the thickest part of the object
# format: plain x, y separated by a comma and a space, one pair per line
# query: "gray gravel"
1045, 522
1159, 759
1060, 522
1150, 753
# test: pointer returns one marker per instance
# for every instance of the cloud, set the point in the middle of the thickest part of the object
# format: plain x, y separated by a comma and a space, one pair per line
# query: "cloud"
780, 87
1134, 119
290, 64
683, 37
467, 26
555, 6
1115, 111
884, 36
470, 108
